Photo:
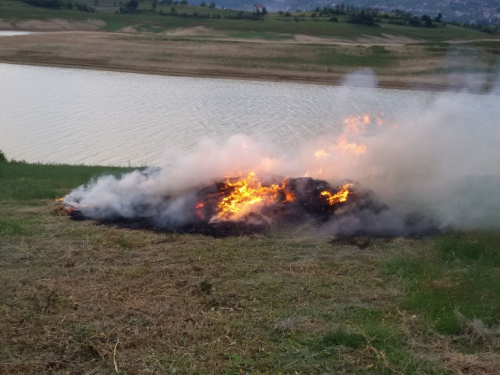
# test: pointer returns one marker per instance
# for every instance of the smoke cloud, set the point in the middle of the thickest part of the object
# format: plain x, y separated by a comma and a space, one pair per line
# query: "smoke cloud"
440, 159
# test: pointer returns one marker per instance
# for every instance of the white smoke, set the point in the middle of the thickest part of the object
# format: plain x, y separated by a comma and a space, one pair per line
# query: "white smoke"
442, 159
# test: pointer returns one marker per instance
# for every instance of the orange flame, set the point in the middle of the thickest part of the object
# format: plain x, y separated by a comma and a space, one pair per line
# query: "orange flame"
69, 208
248, 192
348, 141
66, 208
340, 196
321, 154
354, 126
199, 210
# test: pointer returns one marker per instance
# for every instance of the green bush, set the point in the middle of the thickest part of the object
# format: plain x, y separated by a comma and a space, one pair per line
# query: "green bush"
3, 158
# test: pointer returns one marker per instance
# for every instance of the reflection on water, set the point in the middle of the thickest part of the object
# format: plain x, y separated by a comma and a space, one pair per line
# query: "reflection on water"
14, 33
94, 117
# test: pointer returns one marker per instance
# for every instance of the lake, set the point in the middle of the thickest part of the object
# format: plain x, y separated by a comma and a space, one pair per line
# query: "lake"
58, 115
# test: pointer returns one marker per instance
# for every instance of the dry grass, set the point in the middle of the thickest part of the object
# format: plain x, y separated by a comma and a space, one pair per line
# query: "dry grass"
476, 332
472, 364
81, 298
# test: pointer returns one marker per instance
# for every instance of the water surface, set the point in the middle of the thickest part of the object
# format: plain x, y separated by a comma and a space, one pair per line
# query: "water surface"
13, 33
95, 117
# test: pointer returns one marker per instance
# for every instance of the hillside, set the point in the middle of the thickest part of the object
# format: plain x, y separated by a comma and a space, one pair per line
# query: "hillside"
463, 11
158, 17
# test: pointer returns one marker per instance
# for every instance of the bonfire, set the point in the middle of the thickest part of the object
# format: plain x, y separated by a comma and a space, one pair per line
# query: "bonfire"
244, 202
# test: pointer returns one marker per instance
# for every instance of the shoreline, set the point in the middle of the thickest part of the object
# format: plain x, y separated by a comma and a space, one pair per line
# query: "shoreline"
336, 80
395, 66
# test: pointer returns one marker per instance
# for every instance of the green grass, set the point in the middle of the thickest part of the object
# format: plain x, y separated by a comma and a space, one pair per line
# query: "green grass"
12, 227
259, 35
461, 273
324, 352
24, 182
313, 58
337, 338
468, 70
370, 57
450, 32
485, 43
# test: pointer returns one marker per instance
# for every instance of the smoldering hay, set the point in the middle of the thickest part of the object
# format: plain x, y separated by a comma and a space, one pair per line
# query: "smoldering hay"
239, 205
424, 169
246, 187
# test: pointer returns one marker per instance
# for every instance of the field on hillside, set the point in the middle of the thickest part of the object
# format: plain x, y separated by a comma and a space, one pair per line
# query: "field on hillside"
83, 298
14, 12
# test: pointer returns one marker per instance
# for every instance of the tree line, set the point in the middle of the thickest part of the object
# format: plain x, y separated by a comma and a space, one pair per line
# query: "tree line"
132, 6
60, 4
373, 16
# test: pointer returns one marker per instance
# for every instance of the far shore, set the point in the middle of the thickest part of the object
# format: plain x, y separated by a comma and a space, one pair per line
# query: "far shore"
337, 80
268, 77
395, 65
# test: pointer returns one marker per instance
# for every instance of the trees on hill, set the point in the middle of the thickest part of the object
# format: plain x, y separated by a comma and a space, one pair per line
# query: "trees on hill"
60, 4
363, 18
131, 6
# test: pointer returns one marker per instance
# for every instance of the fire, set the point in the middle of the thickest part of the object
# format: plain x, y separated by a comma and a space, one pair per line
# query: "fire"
340, 196
289, 197
321, 154
348, 141
267, 164
68, 209
357, 124
353, 127
350, 147
199, 209
248, 192
351, 142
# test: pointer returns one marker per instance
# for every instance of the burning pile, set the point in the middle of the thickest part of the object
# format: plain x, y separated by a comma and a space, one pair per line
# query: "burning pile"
186, 194
236, 206
290, 200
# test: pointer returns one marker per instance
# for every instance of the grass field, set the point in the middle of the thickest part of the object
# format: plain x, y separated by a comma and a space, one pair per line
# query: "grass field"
77, 297
14, 12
